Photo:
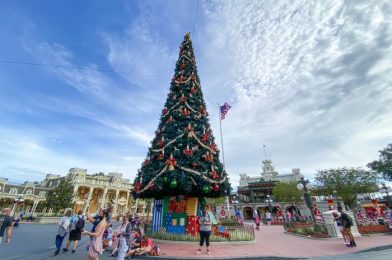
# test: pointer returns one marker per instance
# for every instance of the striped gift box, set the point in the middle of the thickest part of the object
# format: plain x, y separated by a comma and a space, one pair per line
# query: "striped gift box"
157, 215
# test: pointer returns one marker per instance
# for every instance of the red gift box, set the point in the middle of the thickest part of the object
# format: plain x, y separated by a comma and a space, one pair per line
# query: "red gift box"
192, 226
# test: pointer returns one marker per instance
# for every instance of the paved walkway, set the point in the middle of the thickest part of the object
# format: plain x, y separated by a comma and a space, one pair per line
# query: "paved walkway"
271, 241
36, 242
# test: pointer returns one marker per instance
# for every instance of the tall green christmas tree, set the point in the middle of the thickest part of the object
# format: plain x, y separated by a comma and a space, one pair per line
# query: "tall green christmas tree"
183, 158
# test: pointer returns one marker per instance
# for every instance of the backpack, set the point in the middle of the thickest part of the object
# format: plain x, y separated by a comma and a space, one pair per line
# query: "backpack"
80, 224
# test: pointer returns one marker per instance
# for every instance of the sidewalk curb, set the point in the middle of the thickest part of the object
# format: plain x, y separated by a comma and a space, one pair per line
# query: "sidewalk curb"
251, 242
309, 237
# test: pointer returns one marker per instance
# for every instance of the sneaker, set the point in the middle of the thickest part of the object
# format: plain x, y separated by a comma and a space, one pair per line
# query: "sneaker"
198, 252
57, 252
65, 249
73, 251
354, 244
208, 252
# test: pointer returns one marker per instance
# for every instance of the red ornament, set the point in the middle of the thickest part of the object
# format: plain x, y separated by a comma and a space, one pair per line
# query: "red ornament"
194, 165
152, 186
204, 138
216, 187
182, 66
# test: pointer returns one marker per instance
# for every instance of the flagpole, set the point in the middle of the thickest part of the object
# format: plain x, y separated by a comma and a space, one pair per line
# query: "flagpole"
223, 157
220, 127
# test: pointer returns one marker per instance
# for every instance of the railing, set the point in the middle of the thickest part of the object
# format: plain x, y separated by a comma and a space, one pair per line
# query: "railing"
218, 233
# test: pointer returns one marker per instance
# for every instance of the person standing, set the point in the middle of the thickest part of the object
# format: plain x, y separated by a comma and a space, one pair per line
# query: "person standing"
76, 229
347, 224
205, 231
124, 235
268, 217
257, 222
255, 214
339, 224
95, 247
62, 230
5, 225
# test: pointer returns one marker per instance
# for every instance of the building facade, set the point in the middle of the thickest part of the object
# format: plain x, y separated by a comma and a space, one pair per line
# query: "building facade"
27, 196
256, 192
92, 191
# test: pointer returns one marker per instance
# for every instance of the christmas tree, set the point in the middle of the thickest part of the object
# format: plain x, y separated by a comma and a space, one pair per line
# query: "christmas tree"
183, 158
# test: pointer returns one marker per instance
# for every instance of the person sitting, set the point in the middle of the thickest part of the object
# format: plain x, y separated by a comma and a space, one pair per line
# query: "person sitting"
145, 247
136, 240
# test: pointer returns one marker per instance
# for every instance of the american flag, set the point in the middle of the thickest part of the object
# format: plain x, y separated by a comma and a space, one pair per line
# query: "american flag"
223, 110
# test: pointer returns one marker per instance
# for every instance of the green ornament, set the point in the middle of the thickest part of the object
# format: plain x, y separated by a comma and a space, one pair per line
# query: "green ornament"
205, 189
173, 184
165, 179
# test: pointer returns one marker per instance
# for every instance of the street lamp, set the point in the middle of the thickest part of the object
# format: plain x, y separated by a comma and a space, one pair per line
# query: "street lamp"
385, 189
305, 185
337, 198
269, 201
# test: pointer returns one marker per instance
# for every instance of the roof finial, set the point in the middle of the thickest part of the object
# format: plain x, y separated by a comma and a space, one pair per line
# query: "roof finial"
188, 36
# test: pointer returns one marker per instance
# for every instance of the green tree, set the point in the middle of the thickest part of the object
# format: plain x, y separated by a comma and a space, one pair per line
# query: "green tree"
60, 197
384, 164
183, 158
347, 182
287, 192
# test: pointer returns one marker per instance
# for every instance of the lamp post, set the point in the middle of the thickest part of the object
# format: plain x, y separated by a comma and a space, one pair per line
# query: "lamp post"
337, 198
385, 189
269, 201
305, 185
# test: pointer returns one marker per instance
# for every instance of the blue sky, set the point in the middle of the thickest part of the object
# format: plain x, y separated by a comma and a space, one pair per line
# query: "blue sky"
310, 79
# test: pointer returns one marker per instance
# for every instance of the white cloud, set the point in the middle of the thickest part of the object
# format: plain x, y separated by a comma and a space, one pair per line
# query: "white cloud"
311, 78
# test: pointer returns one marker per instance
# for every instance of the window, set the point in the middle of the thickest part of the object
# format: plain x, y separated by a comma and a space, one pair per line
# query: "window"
42, 193
29, 192
14, 191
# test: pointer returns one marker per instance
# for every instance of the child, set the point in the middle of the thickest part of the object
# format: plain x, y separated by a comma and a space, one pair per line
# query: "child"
257, 222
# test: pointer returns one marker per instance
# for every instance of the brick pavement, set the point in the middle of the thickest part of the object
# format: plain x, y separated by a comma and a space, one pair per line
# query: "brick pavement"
271, 241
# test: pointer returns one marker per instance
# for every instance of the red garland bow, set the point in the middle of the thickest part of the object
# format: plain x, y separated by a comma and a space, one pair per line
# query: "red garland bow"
214, 174
184, 112
171, 162
160, 156
208, 158
204, 138
138, 186
146, 161
187, 151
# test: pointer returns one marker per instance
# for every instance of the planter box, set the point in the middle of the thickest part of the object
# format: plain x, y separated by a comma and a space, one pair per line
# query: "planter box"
373, 229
